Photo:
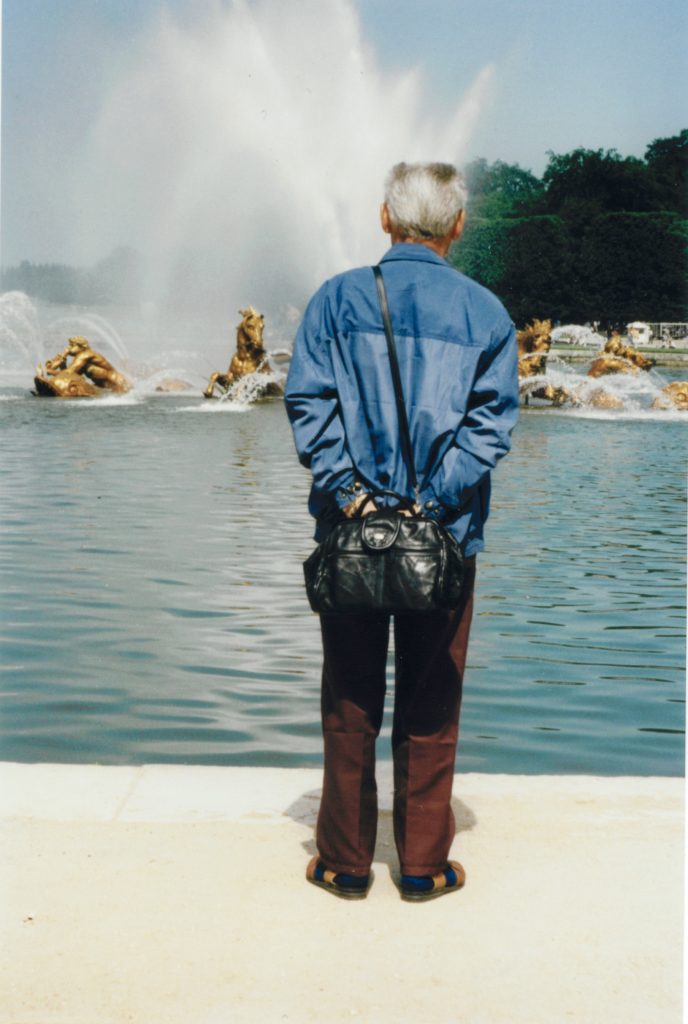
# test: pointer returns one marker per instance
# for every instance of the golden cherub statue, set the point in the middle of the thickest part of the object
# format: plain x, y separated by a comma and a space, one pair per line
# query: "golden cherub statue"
89, 374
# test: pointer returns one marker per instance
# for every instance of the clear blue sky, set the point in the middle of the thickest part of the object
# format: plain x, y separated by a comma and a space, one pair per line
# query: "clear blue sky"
594, 73
556, 75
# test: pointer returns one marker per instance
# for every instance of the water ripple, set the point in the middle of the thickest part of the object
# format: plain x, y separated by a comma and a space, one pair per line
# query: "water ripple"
153, 607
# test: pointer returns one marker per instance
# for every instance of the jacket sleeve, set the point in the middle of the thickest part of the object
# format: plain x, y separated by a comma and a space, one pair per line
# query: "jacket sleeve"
313, 408
484, 434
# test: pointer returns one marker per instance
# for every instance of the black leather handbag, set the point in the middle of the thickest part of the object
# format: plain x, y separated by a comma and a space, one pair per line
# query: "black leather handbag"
392, 560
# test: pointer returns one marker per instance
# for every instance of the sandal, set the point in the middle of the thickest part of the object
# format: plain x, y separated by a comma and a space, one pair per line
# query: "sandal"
347, 887
416, 888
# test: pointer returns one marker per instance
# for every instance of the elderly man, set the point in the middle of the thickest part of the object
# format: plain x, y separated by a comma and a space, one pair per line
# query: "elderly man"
458, 360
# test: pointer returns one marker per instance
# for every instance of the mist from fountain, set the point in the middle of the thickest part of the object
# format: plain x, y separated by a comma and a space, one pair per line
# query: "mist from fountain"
21, 343
243, 152
100, 332
634, 393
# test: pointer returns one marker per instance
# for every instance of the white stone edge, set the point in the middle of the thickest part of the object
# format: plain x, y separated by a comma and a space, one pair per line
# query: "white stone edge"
182, 793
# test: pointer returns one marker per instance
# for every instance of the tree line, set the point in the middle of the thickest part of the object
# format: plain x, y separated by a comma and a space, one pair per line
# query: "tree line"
113, 280
599, 237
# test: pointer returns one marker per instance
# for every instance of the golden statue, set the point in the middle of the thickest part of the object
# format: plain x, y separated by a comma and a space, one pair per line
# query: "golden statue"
616, 347
534, 343
89, 373
601, 399
619, 358
673, 396
250, 356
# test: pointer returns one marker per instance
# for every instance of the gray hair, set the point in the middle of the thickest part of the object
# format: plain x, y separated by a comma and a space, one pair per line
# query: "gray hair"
424, 200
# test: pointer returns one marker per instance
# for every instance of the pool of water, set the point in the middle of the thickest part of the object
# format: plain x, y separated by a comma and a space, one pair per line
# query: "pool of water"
152, 607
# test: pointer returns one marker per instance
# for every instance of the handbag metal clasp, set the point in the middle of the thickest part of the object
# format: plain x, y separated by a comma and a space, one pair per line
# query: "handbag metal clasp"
380, 530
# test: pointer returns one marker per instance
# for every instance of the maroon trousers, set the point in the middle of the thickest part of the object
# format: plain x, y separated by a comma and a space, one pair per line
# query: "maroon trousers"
429, 667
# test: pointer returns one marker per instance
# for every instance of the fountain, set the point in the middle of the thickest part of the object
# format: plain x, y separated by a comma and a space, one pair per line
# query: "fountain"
534, 342
619, 358
96, 326
257, 144
81, 369
240, 176
20, 333
249, 360
630, 383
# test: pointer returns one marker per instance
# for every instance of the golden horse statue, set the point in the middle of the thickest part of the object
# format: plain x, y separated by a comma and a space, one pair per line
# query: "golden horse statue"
673, 396
619, 358
88, 375
250, 356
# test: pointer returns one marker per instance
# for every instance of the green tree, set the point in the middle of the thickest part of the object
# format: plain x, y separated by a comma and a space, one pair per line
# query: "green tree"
600, 237
634, 267
540, 278
115, 279
667, 161
590, 182
52, 282
499, 189
525, 261
481, 252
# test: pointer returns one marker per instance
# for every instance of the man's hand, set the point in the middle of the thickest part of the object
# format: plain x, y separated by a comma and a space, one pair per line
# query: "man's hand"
361, 504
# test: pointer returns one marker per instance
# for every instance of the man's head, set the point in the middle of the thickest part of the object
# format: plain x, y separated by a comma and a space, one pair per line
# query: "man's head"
424, 203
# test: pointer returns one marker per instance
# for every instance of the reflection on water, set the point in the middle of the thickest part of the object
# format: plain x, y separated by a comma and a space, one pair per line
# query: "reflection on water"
153, 610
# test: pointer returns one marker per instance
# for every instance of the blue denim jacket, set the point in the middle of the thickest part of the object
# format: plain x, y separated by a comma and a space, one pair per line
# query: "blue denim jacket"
458, 362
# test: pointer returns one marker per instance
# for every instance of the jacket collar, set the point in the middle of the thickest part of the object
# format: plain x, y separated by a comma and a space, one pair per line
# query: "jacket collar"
412, 251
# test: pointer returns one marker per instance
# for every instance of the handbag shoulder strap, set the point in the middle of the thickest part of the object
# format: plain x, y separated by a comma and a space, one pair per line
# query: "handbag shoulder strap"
404, 432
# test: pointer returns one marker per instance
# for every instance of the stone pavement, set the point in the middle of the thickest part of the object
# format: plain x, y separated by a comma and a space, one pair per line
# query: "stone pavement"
176, 895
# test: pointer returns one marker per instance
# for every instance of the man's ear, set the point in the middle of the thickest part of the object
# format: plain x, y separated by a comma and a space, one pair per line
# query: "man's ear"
459, 225
385, 219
